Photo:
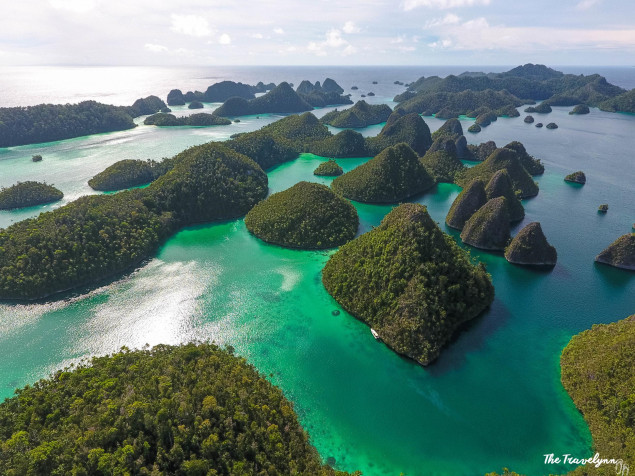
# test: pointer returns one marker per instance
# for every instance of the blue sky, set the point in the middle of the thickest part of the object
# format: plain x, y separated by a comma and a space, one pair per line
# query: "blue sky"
333, 32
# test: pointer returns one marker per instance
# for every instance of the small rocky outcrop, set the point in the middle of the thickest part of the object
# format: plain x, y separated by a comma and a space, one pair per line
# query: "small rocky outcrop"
329, 168
176, 98
603, 208
580, 109
539, 125
195, 105
474, 128
552, 125
620, 254
576, 177
529, 119
530, 247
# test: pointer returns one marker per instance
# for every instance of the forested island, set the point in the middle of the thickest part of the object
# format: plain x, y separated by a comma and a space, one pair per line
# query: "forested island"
409, 281
129, 173
199, 119
530, 247
305, 216
193, 410
598, 373
620, 253
393, 175
330, 168
525, 84
488, 228
95, 237
28, 194
361, 114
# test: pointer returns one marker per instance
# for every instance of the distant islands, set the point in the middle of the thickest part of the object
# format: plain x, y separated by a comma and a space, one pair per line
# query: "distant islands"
28, 194
361, 114
199, 119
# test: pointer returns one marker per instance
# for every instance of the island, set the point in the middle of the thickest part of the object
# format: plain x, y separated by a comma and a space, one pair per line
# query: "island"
624, 102
501, 159
282, 99
532, 165
410, 282
193, 409
200, 119
36, 158
552, 125
485, 119
466, 204
474, 128
539, 124
99, 236
175, 98
196, 105
400, 127
501, 186
128, 173
306, 216
576, 177
320, 95
488, 228
441, 161
329, 168
344, 144
28, 194
393, 175
450, 129
482, 151
146, 106
530, 247
361, 114
542, 108
598, 371
580, 109
620, 253
529, 119
603, 208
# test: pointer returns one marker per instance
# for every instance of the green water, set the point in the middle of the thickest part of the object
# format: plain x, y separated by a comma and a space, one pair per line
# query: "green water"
493, 399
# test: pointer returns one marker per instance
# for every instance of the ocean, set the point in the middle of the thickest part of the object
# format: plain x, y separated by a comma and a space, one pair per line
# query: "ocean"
494, 397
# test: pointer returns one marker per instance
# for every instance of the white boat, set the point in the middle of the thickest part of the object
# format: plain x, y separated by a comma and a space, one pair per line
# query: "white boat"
374, 333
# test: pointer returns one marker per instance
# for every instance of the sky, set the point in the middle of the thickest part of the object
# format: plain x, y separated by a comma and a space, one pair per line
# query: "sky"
318, 32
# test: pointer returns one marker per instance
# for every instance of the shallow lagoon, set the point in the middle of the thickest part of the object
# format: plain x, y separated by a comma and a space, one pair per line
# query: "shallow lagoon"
494, 397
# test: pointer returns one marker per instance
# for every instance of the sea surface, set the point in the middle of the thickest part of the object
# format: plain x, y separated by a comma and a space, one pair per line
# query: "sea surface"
494, 397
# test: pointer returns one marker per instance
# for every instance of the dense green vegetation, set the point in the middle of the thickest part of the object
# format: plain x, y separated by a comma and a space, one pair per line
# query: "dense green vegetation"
175, 98
576, 177
451, 104
580, 109
488, 228
552, 125
466, 204
129, 173
192, 410
28, 194
542, 108
222, 91
501, 186
474, 128
532, 165
625, 102
196, 105
307, 216
483, 150
198, 119
529, 119
401, 127
484, 119
361, 114
330, 168
393, 175
145, 106
451, 129
50, 122
344, 144
620, 253
321, 95
500, 159
100, 236
442, 165
409, 281
530, 247
598, 372
529, 82
281, 99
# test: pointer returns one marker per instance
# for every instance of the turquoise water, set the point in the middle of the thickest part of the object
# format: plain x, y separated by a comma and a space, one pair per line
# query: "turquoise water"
493, 399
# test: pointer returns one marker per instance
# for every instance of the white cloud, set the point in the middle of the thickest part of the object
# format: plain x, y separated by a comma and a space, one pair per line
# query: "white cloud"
190, 25
334, 39
397, 40
440, 44
155, 48
278, 31
350, 28
408, 5
586, 4
224, 39
407, 49
349, 50
77, 6
449, 19
258, 36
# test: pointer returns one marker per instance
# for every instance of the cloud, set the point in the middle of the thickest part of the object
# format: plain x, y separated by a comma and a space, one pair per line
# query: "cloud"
224, 39
278, 31
350, 28
449, 19
155, 48
258, 36
586, 4
190, 25
334, 41
77, 6
408, 5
